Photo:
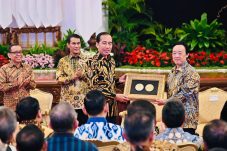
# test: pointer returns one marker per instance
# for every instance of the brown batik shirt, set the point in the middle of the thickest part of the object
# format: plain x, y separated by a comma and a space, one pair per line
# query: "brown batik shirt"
9, 74
184, 85
101, 76
72, 90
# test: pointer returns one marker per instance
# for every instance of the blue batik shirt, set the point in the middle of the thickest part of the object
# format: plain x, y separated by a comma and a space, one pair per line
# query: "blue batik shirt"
97, 128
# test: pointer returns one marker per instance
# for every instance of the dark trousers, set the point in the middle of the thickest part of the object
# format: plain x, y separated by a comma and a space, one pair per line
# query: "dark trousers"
190, 130
81, 117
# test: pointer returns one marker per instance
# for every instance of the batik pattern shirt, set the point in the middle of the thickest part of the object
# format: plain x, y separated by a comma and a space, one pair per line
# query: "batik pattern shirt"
97, 128
154, 146
184, 85
101, 76
9, 74
72, 90
178, 136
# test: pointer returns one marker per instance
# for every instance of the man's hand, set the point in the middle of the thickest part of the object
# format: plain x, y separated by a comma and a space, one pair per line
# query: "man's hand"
159, 102
26, 82
122, 78
78, 73
121, 98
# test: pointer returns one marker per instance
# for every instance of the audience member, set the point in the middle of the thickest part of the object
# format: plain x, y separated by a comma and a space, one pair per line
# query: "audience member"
173, 116
30, 138
8, 125
215, 134
70, 74
97, 127
16, 78
63, 120
28, 112
100, 72
183, 83
139, 129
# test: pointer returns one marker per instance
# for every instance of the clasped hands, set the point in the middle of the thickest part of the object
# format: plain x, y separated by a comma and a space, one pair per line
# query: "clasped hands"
22, 81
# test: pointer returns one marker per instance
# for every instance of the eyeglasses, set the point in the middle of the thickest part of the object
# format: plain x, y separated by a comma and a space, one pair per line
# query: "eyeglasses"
16, 52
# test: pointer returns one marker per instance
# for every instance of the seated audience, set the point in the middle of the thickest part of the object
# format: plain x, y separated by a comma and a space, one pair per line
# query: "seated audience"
97, 127
63, 120
139, 129
8, 124
173, 116
215, 135
28, 112
30, 138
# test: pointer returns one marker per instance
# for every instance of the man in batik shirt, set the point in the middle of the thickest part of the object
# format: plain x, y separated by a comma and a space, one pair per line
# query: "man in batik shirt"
183, 83
16, 78
101, 74
70, 73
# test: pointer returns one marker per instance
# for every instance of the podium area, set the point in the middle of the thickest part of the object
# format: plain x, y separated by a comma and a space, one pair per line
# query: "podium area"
46, 81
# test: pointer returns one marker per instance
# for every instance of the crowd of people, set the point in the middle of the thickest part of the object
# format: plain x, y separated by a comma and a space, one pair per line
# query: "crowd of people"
88, 106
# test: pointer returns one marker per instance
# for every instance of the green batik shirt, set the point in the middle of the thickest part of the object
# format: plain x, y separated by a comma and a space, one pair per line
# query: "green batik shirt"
72, 90
184, 85
101, 76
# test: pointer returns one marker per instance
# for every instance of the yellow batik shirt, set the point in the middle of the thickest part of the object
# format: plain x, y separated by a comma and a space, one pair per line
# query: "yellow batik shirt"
72, 90
9, 74
184, 85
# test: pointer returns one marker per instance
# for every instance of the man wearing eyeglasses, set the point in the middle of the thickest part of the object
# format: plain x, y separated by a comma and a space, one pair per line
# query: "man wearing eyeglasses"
16, 78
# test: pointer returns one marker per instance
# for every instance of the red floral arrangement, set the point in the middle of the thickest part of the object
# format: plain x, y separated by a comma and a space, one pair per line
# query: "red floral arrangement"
3, 60
203, 58
143, 57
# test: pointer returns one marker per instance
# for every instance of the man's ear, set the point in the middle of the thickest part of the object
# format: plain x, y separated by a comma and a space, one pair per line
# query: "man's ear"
9, 56
84, 111
75, 124
151, 137
44, 148
106, 108
39, 115
125, 136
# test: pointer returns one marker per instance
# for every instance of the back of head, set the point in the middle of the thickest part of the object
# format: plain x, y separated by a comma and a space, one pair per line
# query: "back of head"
218, 149
8, 124
215, 134
63, 117
141, 106
138, 127
30, 138
27, 109
173, 114
94, 102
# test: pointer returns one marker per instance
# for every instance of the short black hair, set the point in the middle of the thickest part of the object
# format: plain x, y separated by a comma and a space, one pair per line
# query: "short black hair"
30, 138
183, 44
138, 127
98, 37
94, 102
215, 134
173, 114
72, 36
141, 106
11, 45
27, 109
63, 117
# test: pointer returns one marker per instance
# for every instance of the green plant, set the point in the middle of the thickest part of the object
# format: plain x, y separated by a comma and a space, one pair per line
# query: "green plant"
4, 50
200, 35
126, 18
159, 37
37, 49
